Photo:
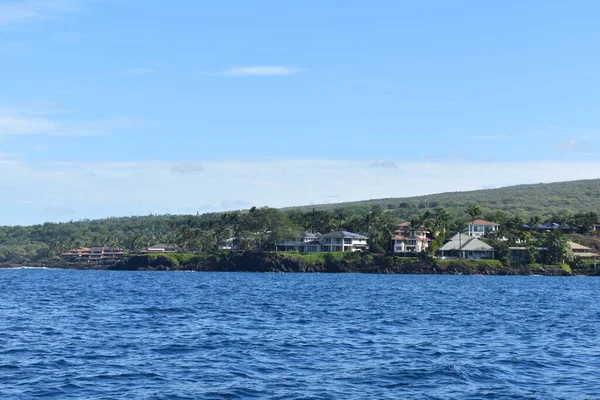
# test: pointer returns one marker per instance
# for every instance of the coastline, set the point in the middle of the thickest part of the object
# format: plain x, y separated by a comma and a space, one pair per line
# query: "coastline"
326, 263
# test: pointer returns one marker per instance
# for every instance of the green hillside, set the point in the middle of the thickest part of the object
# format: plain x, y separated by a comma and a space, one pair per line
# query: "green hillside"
544, 200
575, 202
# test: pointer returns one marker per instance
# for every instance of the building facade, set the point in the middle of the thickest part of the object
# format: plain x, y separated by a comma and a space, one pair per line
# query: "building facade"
408, 240
161, 248
464, 246
480, 227
93, 254
338, 241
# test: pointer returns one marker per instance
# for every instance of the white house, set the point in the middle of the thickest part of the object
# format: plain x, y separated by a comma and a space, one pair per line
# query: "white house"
480, 227
410, 240
161, 248
227, 244
309, 242
467, 247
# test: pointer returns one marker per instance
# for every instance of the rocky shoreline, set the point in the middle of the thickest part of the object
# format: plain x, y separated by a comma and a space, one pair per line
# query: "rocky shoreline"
276, 262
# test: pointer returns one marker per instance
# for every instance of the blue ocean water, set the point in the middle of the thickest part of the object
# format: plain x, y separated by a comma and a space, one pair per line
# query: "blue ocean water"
166, 335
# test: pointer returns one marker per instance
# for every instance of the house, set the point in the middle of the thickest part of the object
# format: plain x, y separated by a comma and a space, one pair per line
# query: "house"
344, 241
93, 254
480, 227
228, 244
409, 240
464, 246
548, 227
161, 248
597, 226
581, 251
309, 242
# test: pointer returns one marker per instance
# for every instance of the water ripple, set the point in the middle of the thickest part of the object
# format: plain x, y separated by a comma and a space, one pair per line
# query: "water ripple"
155, 335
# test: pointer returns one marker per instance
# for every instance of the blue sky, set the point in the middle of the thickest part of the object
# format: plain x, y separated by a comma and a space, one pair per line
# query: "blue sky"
117, 107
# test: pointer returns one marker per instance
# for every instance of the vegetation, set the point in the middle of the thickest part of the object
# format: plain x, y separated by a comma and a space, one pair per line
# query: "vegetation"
548, 201
200, 237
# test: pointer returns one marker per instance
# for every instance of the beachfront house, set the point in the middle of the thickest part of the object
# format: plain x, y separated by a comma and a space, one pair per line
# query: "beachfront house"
548, 227
584, 252
161, 248
480, 227
93, 254
308, 242
409, 240
465, 246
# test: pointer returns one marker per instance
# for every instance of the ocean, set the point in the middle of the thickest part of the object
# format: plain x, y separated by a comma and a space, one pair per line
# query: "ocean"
67, 334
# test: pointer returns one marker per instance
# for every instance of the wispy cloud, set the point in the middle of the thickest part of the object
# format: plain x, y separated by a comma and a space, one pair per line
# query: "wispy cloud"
25, 125
15, 13
187, 169
383, 164
491, 137
10, 155
134, 188
571, 145
266, 70
140, 71
14, 123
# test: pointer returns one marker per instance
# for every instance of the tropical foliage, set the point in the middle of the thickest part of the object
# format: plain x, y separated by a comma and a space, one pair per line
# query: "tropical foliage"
258, 229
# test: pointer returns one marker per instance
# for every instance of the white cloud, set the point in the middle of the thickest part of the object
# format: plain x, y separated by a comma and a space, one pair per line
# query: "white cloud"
187, 169
383, 164
14, 13
571, 145
267, 70
24, 125
10, 155
140, 188
139, 71
14, 122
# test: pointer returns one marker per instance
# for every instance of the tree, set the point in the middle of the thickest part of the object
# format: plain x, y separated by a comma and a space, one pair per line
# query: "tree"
534, 221
438, 222
558, 249
586, 220
266, 226
380, 229
474, 211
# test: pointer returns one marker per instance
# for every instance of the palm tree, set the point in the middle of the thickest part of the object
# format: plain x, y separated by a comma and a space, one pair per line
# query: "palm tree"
534, 222
474, 211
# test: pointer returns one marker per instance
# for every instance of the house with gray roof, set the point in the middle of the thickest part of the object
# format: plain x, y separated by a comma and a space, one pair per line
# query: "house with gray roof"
308, 242
465, 246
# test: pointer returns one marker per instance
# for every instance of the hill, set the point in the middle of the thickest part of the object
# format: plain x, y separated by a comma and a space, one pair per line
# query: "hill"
543, 199
557, 202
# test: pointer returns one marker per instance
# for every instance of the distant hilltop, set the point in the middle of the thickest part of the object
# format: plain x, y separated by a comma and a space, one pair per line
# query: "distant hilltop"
524, 200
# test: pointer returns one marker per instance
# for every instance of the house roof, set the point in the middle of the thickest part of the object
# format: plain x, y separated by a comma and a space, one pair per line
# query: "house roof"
344, 234
577, 246
480, 222
309, 234
467, 243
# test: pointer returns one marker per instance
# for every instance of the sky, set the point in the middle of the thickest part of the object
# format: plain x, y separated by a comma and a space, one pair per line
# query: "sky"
116, 107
